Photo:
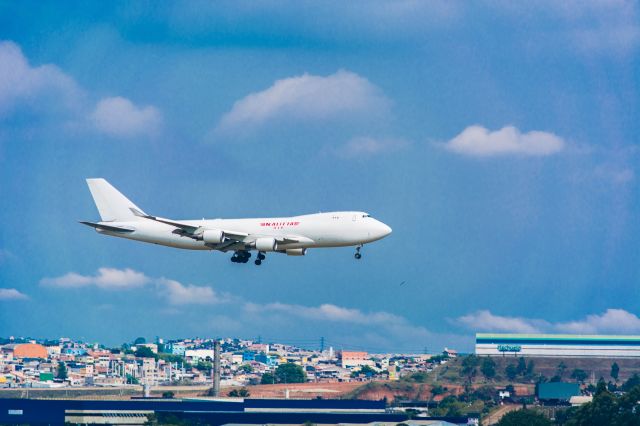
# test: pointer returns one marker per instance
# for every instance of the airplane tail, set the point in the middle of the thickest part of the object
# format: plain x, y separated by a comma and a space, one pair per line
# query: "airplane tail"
111, 204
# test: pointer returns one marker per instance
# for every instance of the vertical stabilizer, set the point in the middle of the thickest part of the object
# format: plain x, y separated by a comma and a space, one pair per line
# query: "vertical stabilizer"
112, 205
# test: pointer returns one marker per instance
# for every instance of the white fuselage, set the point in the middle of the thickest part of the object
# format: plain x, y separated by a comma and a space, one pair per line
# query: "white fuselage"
334, 229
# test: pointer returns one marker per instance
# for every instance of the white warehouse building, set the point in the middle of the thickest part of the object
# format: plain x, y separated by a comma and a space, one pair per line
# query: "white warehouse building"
558, 345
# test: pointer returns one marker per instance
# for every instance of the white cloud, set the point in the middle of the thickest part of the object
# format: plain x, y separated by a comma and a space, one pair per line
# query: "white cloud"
22, 84
364, 146
12, 294
377, 329
611, 321
618, 175
477, 141
172, 291
178, 294
47, 90
486, 321
119, 117
106, 278
375, 323
308, 98
602, 27
605, 39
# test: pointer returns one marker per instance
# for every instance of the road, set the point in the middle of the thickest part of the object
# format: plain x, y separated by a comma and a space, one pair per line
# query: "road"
495, 417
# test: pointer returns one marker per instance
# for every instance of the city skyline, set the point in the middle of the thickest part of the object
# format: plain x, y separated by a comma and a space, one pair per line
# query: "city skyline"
498, 141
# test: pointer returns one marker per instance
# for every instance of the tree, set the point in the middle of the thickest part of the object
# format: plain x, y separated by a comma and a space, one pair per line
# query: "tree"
542, 379
62, 371
579, 374
437, 359
131, 380
484, 393
631, 383
488, 368
290, 373
365, 370
615, 370
522, 366
524, 417
530, 368
606, 409
469, 364
171, 357
241, 393
603, 410
449, 406
437, 390
204, 366
246, 368
139, 341
168, 394
145, 352
267, 379
561, 369
511, 371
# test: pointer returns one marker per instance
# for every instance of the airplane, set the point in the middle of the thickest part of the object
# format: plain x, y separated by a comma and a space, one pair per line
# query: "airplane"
289, 235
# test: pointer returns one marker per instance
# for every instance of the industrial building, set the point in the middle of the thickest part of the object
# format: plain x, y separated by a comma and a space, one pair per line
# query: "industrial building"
211, 412
558, 345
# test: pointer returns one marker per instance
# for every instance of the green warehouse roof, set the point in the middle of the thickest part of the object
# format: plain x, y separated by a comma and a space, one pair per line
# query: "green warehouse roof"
558, 390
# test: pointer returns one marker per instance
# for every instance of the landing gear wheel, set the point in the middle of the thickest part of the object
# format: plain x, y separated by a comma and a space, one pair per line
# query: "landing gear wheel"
357, 255
261, 256
241, 256
258, 262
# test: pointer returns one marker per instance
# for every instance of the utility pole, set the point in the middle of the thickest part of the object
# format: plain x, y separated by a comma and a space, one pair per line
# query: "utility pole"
216, 368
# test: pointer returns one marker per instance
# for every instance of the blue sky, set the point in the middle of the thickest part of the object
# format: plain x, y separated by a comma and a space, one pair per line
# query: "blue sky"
498, 140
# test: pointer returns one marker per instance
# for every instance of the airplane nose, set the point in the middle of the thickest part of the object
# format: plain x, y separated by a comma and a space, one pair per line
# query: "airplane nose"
382, 230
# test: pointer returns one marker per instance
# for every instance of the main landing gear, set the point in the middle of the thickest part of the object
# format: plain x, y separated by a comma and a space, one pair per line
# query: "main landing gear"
241, 256
358, 255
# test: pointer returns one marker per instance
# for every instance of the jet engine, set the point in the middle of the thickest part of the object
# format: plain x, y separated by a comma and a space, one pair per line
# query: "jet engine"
296, 252
266, 244
213, 236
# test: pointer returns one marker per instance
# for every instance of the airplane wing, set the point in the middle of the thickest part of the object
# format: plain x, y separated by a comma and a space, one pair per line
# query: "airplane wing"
234, 240
108, 227
187, 230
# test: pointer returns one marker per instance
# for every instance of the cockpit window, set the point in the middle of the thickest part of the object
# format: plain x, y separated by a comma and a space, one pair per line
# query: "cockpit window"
366, 215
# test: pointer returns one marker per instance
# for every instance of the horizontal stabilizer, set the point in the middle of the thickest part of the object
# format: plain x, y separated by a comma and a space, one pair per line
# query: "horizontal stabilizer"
109, 228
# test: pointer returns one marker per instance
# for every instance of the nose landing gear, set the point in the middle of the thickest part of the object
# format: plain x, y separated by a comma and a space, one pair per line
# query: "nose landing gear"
358, 255
260, 258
